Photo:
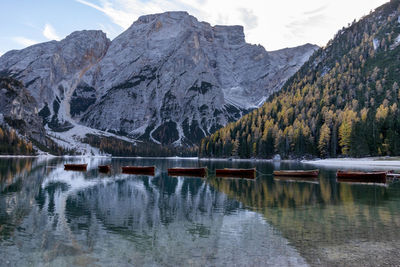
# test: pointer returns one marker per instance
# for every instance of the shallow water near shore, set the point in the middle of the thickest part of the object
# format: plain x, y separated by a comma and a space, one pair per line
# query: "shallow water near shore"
52, 217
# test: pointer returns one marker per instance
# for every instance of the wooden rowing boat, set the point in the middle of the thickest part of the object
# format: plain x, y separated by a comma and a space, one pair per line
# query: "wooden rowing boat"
363, 177
193, 172
75, 167
145, 170
104, 168
297, 173
236, 173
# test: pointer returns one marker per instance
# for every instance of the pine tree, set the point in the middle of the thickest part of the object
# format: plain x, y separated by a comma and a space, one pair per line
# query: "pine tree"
324, 139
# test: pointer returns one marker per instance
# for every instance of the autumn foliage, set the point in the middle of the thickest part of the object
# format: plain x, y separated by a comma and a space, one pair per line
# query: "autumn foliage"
343, 102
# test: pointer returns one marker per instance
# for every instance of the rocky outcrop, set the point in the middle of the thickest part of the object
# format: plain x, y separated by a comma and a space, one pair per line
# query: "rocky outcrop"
18, 109
50, 71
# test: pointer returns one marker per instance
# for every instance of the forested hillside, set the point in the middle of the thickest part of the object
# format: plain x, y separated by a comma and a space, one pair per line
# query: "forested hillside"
118, 147
11, 144
343, 102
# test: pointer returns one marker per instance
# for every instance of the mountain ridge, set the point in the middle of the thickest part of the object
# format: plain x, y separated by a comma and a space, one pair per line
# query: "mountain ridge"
168, 78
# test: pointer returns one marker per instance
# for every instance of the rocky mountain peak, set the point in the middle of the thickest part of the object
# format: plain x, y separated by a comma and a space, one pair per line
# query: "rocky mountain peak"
174, 15
97, 35
172, 24
232, 35
168, 78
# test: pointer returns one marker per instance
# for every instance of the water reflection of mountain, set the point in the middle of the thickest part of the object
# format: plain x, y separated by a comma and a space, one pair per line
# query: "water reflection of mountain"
326, 220
78, 218
139, 205
176, 220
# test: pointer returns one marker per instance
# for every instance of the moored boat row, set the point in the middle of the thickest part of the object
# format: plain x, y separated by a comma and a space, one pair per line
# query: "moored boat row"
282, 175
148, 170
191, 172
341, 175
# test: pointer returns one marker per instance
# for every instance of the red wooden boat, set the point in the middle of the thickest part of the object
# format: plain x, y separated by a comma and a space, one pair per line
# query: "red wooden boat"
194, 172
104, 168
75, 167
297, 173
361, 177
145, 170
236, 173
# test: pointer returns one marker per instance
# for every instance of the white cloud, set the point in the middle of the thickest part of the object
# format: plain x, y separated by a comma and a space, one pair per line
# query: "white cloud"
109, 29
24, 41
274, 24
50, 33
119, 17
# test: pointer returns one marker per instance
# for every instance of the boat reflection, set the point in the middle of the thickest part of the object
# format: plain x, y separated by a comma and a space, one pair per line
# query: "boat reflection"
297, 179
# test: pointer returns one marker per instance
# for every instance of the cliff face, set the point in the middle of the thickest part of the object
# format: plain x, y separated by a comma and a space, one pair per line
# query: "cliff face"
169, 78
50, 71
19, 110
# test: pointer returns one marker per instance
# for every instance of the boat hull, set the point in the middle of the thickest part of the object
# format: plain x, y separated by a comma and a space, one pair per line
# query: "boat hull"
361, 177
75, 167
192, 172
104, 168
297, 173
145, 170
236, 173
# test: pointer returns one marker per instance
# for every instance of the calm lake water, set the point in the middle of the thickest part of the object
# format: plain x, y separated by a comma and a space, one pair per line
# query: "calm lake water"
52, 217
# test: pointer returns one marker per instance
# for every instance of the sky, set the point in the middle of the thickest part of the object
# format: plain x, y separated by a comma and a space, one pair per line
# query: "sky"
274, 24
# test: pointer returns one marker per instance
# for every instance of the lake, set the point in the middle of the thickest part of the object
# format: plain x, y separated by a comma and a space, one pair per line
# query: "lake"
52, 217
